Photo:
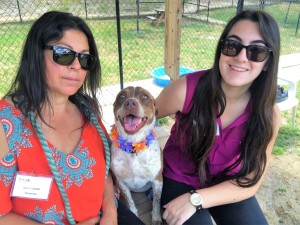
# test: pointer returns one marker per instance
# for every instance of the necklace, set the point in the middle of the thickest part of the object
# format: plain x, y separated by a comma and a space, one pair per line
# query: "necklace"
128, 146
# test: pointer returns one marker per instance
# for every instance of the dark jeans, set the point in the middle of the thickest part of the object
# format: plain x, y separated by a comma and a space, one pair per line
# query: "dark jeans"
246, 212
126, 217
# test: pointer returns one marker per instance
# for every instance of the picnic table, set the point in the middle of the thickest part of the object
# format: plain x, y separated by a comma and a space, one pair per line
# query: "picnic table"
159, 17
289, 73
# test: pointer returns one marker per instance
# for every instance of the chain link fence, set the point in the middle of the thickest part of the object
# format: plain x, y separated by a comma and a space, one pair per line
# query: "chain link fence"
140, 48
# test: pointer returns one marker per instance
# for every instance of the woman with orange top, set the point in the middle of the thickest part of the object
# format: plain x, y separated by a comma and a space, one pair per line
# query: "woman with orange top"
54, 154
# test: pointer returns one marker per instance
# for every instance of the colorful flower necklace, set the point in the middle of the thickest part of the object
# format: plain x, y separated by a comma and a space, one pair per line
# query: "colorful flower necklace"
128, 146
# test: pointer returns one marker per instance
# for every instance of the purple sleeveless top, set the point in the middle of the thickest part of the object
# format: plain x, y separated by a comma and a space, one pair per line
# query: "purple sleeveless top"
226, 149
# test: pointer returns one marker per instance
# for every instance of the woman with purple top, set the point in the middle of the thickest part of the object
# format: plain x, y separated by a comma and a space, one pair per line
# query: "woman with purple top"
226, 125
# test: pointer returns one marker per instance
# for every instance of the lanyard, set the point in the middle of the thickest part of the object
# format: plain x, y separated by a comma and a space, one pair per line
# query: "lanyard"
52, 165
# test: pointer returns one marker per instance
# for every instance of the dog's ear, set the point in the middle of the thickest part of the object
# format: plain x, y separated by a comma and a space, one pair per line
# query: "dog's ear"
156, 109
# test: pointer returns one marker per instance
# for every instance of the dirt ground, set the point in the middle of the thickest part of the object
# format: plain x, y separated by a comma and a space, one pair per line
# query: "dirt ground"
279, 194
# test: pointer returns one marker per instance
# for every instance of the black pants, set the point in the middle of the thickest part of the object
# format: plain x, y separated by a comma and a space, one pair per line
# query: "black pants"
126, 217
246, 212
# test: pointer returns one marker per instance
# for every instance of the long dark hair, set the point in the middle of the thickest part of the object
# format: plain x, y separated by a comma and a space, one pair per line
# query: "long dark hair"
29, 89
209, 97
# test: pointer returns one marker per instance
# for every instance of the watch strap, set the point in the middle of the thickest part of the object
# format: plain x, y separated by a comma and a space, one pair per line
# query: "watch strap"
198, 207
193, 191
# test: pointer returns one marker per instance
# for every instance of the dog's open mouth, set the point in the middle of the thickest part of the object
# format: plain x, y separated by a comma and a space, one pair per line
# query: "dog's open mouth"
133, 124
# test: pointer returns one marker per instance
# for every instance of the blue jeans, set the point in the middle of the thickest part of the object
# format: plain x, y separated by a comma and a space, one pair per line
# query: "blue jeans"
246, 212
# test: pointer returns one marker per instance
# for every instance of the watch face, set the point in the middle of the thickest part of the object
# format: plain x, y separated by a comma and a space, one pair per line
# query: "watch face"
196, 199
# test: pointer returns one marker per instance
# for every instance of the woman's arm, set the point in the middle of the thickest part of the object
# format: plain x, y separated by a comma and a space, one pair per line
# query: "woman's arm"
109, 206
172, 97
10, 218
15, 219
180, 209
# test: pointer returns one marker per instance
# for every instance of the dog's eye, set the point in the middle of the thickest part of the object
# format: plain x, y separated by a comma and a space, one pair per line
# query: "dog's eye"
145, 97
122, 96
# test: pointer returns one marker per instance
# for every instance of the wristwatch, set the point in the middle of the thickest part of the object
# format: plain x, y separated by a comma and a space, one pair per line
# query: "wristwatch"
196, 199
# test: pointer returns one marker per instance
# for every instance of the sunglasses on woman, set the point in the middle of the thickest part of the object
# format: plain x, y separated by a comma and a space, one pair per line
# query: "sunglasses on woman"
255, 53
65, 56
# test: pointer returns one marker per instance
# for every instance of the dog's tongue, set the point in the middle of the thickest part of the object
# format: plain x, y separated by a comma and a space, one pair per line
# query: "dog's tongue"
131, 122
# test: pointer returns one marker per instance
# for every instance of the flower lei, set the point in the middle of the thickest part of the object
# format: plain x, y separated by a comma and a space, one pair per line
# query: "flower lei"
128, 146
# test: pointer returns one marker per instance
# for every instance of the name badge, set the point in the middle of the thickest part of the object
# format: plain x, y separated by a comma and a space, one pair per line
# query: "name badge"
31, 186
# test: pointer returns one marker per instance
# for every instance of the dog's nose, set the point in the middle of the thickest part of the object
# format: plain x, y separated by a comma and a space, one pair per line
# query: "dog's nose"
130, 103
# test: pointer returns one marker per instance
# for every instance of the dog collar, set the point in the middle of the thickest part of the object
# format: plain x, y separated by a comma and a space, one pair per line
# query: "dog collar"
128, 146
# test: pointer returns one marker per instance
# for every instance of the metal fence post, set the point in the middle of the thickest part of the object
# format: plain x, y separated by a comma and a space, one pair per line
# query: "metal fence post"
85, 9
137, 16
240, 6
298, 23
287, 13
19, 11
119, 43
262, 4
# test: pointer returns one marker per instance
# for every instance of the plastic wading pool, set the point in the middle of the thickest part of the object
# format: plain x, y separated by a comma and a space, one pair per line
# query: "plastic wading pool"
162, 79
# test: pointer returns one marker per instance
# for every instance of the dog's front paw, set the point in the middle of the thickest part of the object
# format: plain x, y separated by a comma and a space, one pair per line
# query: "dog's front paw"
156, 218
157, 223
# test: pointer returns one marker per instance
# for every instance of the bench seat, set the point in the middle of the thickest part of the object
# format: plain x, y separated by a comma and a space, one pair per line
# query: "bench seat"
289, 74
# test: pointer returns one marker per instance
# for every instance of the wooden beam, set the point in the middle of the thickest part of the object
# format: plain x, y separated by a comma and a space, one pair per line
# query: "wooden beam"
173, 18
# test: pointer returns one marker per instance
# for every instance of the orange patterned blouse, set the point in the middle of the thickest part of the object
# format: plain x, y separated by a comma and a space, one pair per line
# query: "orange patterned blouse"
82, 173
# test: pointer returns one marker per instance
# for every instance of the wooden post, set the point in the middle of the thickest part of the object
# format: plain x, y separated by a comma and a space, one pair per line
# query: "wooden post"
173, 18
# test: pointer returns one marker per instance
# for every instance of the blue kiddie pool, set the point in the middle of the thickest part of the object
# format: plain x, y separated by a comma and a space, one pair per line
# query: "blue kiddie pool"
162, 79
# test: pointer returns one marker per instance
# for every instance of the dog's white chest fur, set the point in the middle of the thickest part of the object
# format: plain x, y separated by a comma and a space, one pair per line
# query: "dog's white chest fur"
137, 170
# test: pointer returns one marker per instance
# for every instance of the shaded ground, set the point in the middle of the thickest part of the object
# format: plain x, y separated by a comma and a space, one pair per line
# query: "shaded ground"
279, 195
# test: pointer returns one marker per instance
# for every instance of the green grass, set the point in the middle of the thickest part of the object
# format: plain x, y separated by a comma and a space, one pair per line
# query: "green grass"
282, 190
162, 121
144, 51
278, 150
288, 139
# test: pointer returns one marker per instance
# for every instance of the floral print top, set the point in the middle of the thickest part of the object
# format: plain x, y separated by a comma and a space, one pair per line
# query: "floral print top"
82, 172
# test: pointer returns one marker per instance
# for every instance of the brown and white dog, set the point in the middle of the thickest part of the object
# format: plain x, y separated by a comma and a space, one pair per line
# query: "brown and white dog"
136, 158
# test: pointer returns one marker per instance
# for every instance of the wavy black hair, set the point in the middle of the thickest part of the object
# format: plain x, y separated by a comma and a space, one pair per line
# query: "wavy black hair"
209, 97
29, 89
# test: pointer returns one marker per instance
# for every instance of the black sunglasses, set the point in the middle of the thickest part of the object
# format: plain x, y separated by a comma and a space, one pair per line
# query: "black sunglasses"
65, 56
255, 53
